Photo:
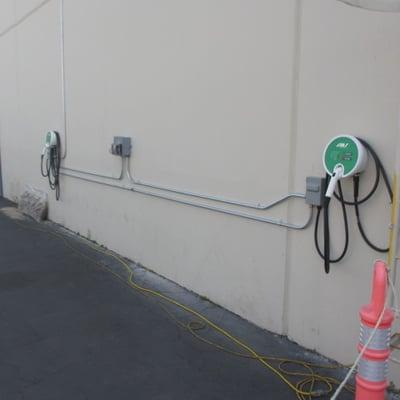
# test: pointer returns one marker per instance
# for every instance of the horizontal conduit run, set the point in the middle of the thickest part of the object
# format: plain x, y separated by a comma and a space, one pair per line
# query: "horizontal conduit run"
134, 188
257, 206
95, 174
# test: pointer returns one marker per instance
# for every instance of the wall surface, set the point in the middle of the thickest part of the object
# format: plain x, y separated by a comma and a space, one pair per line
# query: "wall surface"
230, 97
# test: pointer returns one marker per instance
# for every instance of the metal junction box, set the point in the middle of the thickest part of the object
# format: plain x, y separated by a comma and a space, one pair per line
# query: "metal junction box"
121, 146
315, 190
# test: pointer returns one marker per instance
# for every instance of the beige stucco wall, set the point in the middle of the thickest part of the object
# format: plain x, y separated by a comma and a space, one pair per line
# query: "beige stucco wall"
348, 83
235, 98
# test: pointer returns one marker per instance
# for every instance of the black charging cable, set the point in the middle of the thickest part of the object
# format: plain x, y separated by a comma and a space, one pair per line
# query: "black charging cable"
50, 169
359, 224
379, 170
326, 254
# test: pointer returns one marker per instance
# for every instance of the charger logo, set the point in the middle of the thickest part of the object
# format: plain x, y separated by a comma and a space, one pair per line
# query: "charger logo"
342, 145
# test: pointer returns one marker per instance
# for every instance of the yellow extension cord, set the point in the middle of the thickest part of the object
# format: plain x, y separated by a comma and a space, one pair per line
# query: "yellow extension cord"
304, 388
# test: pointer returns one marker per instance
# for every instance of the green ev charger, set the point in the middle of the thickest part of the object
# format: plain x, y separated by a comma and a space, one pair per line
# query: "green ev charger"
51, 140
51, 161
344, 156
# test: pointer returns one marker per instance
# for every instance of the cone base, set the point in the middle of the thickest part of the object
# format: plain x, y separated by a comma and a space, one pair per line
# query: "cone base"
366, 390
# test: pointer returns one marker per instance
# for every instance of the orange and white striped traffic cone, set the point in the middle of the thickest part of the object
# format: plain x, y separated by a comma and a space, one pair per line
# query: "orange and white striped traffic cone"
371, 379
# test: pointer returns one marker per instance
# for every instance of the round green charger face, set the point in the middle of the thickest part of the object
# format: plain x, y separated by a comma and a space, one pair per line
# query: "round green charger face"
344, 151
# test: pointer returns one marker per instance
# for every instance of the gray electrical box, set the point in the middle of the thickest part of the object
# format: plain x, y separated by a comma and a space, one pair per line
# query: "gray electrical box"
121, 146
315, 190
